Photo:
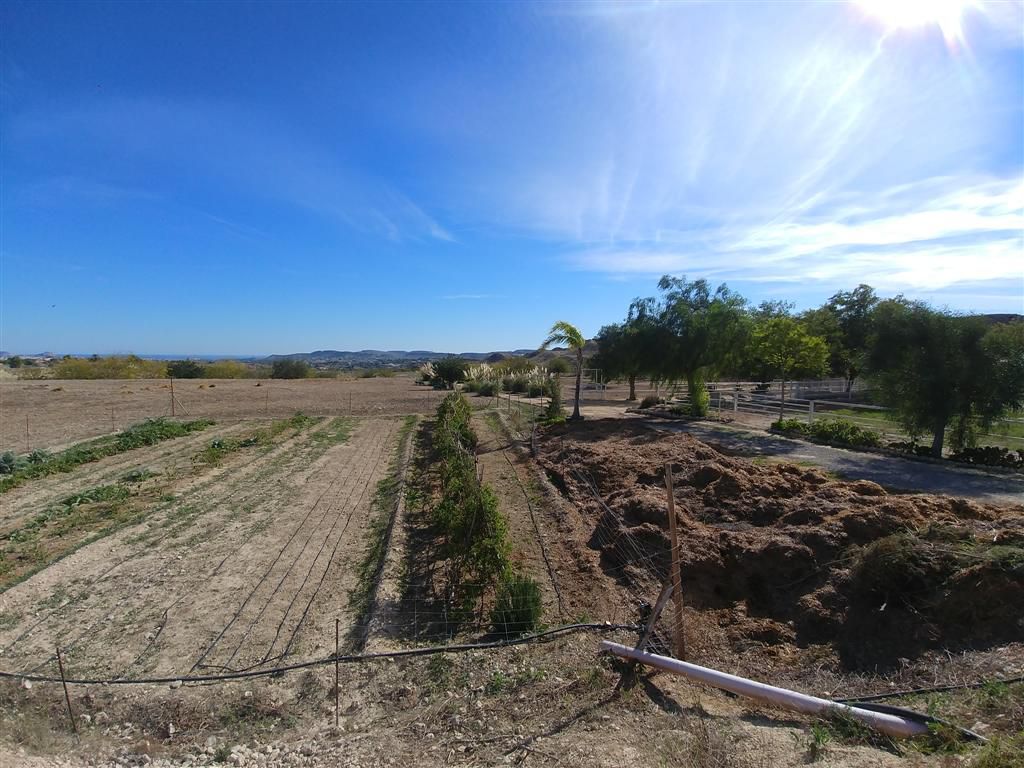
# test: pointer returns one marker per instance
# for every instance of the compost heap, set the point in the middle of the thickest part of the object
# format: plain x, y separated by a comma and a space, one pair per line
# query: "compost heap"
796, 556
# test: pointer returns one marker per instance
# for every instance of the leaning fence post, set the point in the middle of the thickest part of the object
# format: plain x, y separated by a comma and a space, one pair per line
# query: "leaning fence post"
67, 697
677, 583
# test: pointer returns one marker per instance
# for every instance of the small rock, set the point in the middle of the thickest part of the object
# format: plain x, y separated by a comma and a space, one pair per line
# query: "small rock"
175, 685
26, 684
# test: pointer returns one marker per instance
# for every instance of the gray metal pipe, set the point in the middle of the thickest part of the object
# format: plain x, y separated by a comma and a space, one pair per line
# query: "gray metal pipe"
891, 724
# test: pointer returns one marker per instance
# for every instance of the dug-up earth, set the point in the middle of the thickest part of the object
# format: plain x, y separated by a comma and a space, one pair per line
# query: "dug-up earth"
792, 569
790, 576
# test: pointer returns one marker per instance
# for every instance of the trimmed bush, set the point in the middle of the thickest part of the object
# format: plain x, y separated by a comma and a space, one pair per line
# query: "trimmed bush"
518, 607
649, 401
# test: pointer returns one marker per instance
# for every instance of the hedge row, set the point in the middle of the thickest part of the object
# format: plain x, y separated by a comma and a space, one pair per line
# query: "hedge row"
474, 530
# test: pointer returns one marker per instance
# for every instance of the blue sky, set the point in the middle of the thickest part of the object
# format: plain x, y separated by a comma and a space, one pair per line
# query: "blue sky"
257, 178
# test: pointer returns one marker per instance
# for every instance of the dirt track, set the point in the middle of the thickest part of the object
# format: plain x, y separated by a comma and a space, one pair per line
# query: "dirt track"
60, 412
243, 566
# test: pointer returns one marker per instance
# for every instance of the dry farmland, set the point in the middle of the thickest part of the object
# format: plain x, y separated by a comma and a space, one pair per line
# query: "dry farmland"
243, 545
49, 413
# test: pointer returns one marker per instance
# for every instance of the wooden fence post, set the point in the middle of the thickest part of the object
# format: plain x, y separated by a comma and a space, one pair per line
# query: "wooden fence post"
677, 584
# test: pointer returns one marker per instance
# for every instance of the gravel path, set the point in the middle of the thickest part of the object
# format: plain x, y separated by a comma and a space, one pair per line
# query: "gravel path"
892, 472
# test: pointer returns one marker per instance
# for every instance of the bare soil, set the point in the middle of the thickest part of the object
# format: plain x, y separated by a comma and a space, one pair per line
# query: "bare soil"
787, 567
245, 565
58, 412
250, 563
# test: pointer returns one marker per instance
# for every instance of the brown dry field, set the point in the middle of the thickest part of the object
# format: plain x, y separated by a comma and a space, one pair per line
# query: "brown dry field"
57, 412
249, 563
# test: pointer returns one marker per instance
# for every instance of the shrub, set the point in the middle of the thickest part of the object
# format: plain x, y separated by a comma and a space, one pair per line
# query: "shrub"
471, 386
184, 369
649, 401
535, 389
554, 414
450, 370
990, 456
507, 382
473, 528
487, 388
520, 385
233, 369
290, 369
517, 609
834, 431
113, 367
10, 463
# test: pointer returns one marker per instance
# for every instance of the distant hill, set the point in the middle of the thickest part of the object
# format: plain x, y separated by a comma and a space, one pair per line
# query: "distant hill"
379, 358
997, 319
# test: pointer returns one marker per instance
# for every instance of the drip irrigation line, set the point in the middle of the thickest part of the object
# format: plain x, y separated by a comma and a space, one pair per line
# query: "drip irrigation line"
920, 717
932, 689
343, 659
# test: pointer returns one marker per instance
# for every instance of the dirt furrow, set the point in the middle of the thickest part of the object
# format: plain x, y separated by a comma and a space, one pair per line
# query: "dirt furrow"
94, 588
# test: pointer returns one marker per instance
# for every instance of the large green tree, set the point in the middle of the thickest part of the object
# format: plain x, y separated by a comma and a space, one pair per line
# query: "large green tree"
937, 370
787, 350
567, 334
629, 349
845, 322
699, 331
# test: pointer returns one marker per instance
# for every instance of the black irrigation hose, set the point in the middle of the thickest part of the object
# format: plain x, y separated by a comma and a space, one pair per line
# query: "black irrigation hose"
920, 717
933, 689
343, 659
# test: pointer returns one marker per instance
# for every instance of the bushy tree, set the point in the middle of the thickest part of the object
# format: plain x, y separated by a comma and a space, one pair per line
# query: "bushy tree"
845, 322
569, 335
184, 369
696, 332
787, 350
14, 361
628, 350
936, 369
450, 370
290, 369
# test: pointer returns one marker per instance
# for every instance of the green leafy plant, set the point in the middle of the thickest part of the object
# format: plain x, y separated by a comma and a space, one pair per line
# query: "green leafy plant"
518, 607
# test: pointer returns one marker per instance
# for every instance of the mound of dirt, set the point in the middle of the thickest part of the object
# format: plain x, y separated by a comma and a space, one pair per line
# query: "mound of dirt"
791, 555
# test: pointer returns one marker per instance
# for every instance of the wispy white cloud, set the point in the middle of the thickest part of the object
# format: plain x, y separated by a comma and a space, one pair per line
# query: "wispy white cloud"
931, 241
225, 147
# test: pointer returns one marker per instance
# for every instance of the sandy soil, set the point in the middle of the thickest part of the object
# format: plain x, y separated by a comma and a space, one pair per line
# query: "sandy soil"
246, 565
60, 412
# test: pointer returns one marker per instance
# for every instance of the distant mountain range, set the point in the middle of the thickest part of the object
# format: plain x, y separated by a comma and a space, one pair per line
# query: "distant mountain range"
373, 358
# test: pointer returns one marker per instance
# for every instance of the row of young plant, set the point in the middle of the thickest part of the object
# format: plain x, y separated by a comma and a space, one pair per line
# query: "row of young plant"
16, 469
475, 532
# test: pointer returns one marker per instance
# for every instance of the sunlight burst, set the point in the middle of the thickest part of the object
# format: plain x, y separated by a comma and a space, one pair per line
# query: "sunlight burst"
899, 14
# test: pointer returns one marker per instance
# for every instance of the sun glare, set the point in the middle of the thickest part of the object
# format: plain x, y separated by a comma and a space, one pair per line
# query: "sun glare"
898, 14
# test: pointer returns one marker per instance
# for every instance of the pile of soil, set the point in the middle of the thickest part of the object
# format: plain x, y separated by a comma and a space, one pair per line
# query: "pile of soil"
792, 556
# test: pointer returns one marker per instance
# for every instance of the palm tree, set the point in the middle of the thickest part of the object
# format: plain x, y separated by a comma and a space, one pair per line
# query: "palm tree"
569, 335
